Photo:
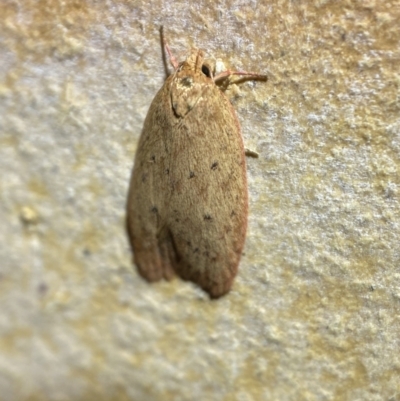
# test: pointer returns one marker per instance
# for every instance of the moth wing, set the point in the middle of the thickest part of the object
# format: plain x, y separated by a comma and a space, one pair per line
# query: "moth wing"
147, 196
207, 211
187, 206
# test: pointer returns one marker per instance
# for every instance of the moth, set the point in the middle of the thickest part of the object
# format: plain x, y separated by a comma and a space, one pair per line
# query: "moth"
188, 200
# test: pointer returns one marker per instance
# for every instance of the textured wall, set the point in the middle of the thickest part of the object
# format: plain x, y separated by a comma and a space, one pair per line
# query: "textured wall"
315, 311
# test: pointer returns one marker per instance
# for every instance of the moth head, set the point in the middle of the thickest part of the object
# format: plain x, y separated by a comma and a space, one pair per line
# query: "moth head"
190, 83
196, 64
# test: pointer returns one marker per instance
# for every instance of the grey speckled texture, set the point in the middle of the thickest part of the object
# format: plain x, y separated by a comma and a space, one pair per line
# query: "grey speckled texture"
315, 311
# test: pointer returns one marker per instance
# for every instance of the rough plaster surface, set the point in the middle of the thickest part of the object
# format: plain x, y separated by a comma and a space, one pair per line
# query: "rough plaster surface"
315, 311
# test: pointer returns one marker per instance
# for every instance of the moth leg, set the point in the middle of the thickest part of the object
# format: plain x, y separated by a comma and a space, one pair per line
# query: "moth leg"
251, 153
251, 75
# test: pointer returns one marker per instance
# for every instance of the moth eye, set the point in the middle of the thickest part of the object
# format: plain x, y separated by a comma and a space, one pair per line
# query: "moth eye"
206, 71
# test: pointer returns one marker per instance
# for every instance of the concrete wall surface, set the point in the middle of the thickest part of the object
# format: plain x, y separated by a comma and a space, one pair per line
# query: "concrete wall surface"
314, 313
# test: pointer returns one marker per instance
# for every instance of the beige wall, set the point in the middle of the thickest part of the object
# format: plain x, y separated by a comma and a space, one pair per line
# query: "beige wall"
314, 313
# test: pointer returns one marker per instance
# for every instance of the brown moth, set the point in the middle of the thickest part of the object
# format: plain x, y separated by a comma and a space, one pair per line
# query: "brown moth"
188, 201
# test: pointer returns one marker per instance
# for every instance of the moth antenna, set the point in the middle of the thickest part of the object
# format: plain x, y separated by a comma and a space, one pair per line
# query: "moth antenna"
171, 57
197, 58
